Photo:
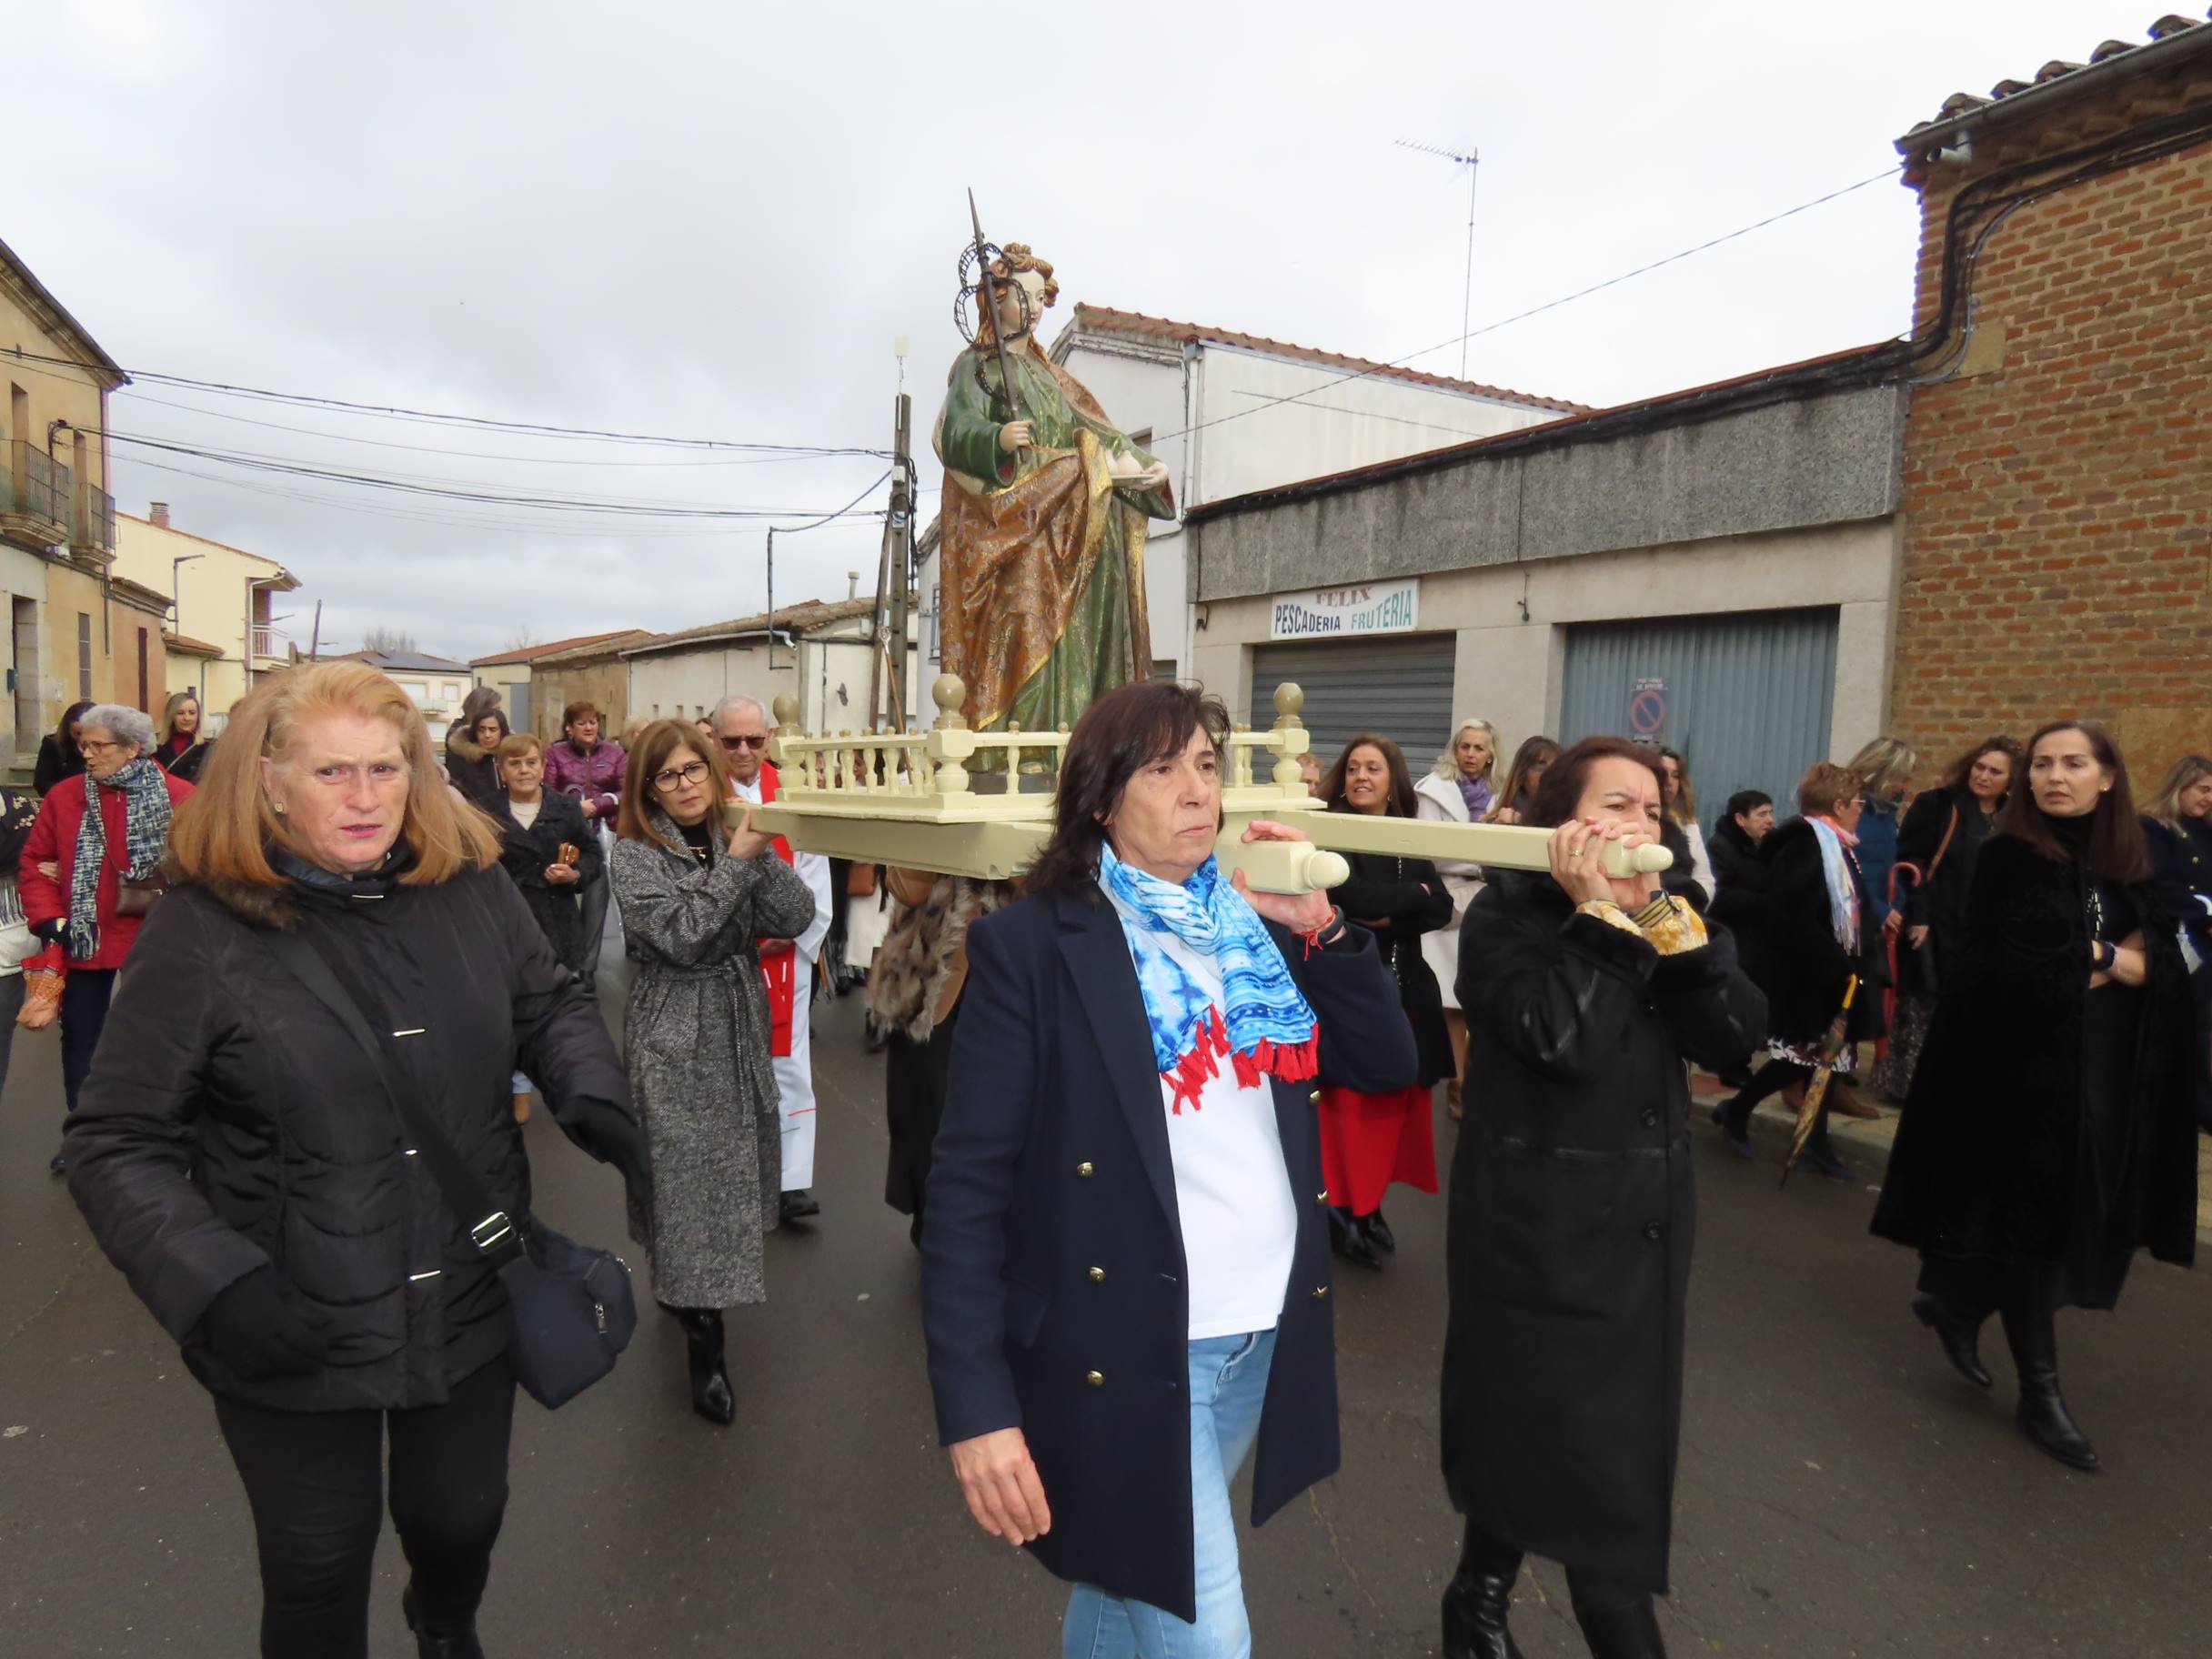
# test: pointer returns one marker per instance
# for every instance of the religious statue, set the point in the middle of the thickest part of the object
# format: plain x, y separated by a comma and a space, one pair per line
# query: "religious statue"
1042, 527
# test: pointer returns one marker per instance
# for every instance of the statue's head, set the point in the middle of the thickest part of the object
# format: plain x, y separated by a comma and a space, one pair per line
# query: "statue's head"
1022, 269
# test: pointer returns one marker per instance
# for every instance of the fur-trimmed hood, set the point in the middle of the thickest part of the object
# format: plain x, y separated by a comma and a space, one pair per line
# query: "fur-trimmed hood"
459, 746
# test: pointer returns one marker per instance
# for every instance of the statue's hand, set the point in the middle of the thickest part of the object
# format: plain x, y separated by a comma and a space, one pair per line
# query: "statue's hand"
1016, 435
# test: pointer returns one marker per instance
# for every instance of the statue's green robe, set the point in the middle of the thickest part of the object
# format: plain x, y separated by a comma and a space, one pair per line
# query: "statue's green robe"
1041, 601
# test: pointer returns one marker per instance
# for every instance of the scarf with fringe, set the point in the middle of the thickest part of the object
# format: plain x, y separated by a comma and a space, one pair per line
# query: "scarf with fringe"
1262, 1023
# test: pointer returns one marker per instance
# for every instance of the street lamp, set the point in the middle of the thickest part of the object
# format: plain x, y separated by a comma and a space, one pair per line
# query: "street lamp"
177, 596
177, 599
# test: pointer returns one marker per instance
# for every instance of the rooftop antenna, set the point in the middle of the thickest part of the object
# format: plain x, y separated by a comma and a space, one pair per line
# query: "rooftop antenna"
1472, 161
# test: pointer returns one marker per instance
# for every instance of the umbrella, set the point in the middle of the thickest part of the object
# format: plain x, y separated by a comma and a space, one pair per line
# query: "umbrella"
1816, 1090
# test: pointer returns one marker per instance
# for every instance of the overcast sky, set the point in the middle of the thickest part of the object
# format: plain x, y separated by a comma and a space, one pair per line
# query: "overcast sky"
712, 220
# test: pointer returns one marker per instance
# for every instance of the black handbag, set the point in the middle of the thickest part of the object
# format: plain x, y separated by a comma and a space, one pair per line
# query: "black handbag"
570, 1307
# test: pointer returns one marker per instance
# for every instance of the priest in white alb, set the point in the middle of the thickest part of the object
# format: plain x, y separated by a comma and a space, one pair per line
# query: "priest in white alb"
742, 726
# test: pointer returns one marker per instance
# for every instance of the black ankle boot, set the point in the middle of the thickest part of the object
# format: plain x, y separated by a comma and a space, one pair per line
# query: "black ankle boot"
2033, 1335
431, 1644
1630, 1631
711, 1396
1959, 1338
1477, 1600
1379, 1233
1350, 1240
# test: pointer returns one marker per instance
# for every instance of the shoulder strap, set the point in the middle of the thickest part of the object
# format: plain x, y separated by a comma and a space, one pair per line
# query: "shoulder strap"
1951, 830
487, 1224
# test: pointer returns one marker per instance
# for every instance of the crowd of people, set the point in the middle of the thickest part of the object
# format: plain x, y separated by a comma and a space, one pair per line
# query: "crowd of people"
1125, 1260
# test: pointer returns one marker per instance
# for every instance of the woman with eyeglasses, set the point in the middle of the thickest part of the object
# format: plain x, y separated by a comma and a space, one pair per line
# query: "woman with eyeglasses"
97, 837
696, 896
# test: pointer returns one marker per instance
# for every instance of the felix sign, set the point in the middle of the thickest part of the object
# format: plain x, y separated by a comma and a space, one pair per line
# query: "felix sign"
1370, 608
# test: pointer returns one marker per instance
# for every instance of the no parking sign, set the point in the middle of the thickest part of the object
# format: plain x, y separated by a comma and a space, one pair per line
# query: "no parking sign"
1647, 711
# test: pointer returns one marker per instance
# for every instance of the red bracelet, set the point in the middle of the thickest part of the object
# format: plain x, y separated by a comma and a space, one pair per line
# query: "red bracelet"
1313, 940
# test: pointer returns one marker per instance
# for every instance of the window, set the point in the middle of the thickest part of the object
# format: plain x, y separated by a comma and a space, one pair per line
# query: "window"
453, 691
144, 707
83, 656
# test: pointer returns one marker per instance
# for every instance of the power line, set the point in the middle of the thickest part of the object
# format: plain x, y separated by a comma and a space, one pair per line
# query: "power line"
483, 455
484, 422
1550, 304
489, 497
251, 458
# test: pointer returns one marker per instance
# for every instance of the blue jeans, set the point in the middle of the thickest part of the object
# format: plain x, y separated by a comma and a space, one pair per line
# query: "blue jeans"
1228, 1387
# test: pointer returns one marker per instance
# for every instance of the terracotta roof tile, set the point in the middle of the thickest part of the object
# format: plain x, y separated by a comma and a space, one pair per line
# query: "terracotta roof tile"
1960, 104
1108, 319
802, 617
530, 653
187, 644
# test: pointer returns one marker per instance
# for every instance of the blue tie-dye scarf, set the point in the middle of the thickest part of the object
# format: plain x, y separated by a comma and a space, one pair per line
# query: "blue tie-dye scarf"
1267, 1026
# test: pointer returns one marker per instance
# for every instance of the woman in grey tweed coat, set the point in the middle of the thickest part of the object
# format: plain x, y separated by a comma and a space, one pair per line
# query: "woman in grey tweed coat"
695, 896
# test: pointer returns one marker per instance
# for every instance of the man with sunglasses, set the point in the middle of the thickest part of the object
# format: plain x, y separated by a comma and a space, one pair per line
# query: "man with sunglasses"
741, 726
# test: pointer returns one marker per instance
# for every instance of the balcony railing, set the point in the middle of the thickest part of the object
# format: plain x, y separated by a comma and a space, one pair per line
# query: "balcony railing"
35, 496
272, 642
93, 527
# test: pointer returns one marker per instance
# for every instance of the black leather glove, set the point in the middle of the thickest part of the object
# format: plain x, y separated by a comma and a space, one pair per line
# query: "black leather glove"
259, 1328
51, 929
609, 1133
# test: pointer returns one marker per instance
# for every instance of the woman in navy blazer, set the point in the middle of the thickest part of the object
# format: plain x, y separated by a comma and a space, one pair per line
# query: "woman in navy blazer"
1125, 1260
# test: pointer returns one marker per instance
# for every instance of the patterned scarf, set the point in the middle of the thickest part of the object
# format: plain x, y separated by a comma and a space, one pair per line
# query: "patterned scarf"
146, 825
1477, 792
1842, 892
1266, 1027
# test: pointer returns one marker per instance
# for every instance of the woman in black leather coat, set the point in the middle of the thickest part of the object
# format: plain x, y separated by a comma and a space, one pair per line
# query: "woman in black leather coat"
1572, 1213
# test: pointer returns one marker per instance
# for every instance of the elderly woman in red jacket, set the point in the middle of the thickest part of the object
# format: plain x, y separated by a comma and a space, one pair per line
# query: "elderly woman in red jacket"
76, 863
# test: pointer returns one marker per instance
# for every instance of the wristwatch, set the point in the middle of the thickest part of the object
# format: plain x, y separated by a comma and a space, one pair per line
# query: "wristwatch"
2103, 953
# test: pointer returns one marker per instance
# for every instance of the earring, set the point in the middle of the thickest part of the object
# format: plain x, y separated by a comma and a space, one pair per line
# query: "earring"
277, 807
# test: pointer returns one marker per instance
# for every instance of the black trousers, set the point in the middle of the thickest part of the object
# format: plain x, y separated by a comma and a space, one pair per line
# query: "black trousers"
315, 1480
85, 993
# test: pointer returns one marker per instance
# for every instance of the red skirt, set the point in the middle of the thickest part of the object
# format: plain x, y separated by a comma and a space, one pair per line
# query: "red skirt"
1370, 1140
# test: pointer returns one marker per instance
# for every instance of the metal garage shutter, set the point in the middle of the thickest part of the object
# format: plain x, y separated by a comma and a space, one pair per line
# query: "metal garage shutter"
1399, 687
1748, 697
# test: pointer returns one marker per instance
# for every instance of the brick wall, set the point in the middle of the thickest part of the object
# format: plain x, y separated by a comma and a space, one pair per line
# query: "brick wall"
2057, 494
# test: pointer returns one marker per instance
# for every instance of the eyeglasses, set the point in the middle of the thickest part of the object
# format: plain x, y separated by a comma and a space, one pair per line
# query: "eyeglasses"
756, 740
92, 746
676, 777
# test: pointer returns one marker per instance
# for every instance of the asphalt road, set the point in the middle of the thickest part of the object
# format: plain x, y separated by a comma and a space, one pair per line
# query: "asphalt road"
1841, 1493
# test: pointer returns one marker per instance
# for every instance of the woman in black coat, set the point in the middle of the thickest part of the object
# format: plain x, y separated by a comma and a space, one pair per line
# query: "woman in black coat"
1125, 1263
1817, 940
239, 1160
1370, 1141
1572, 1213
2179, 825
471, 759
58, 755
2051, 1129
1940, 839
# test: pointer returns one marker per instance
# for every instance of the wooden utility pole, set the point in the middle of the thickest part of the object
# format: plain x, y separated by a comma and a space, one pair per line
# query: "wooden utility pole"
888, 626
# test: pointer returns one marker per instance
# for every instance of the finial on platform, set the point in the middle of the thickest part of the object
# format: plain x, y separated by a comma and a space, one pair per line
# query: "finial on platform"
787, 710
949, 694
1290, 702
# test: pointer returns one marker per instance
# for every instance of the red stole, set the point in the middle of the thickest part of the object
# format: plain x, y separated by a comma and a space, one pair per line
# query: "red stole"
779, 956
